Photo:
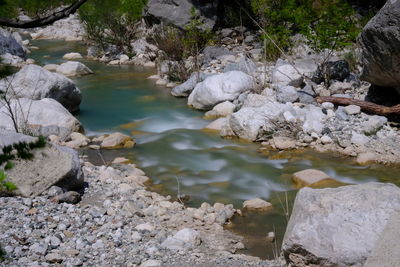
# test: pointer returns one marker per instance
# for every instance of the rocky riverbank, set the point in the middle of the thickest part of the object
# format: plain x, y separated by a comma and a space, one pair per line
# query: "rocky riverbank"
117, 222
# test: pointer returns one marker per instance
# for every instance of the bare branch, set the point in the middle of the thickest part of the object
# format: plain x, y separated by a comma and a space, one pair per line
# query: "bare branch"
47, 20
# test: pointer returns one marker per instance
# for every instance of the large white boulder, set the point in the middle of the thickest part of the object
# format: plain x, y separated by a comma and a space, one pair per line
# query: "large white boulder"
33, 114
73, 68
340, 226
35, 82
285, 73
219, 88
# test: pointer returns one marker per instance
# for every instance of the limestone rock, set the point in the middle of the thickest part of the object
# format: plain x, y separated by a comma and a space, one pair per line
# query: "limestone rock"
36, 83
183, 239
340, 226
52, 165
219, 88
223, 109
308, 177
9, 44
256, 204
72, 55
380, 46
73, 68
117, 140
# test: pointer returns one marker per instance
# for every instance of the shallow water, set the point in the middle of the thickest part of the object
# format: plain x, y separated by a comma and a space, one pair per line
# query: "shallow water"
180, 157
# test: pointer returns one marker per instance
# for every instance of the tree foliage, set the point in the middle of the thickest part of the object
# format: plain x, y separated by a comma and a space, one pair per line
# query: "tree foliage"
112, 21
325, 23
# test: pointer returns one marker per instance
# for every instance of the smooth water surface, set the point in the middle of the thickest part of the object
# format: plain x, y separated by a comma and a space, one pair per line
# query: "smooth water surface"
174, 151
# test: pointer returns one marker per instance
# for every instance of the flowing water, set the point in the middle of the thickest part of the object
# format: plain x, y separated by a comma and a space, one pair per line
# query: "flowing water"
180, 157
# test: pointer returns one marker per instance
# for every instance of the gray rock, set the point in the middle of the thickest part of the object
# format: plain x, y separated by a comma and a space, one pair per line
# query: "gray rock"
338, 227
380, 45
8, 44
373, 124
341, 114
306, 95
8, 137
285, 73
245, 65
73, 68
213, 52
286, 94
183, 239
39, 249
39, 113
36, 83
352, 109
331, 70
179, 12
219, 88
184, 89
52, 165
226, 32
69, 29
70, 197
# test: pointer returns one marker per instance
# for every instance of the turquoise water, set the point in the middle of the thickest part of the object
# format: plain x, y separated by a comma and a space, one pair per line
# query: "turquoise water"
172, 149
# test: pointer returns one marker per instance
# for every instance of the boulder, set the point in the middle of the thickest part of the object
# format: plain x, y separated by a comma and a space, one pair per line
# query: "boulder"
332, 70
36, 83
184, 89
340, 226
72, 55
308, 177
215, 52
47, 114
283, 143
73, 68
285, 73
380, 46
219, 88
256, 204
9, 44
117, 140
217, 125
223, 109
184, 239
245, 65
180, 12
51, 67
286, 94
52, 165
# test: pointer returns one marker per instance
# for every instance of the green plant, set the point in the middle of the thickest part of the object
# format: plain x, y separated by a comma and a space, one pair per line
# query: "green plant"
112, 22
2, 254
325, 23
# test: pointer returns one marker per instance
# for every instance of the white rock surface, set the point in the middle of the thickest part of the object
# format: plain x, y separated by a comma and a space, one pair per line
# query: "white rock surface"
73, 68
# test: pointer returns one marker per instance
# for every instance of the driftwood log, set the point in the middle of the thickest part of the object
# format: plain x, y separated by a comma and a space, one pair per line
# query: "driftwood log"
365, 106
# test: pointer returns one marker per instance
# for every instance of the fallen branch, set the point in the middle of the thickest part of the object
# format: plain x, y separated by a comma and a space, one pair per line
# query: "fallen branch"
365, 106
39, 22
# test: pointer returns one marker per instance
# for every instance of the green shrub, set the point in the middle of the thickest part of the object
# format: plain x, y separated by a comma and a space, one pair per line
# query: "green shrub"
112, 22
34, 8
325, 23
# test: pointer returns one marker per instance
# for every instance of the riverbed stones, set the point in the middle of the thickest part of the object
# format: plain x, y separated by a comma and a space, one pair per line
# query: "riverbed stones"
45, 115
73, 68
257, 204
72, 55
219, 88
308, 177
117, 140
184, 239
379, 41
52, 165
283, 143
36, 83
340, 226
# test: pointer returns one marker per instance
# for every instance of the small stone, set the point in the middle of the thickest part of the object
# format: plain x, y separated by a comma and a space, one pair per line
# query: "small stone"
39, 249
359, 139
70, 197
326, 139
284, 143
54, 258
98, 244
352, 110
121, 160
183, 239
309, 176
94, 147
145, 227
256, 204
54, 191
327, 105
270, 237
150, 263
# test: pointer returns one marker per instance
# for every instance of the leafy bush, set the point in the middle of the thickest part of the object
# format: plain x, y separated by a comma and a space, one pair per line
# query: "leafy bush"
9, 8
112, 22
325, 23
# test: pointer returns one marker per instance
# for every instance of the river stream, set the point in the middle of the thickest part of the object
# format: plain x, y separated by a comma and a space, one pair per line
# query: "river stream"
179, 156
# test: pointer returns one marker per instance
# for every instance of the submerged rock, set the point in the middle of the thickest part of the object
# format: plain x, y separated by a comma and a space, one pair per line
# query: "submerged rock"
219, 88
338, 227
36, 83
117, 140
72, 55
308, 177
256, 204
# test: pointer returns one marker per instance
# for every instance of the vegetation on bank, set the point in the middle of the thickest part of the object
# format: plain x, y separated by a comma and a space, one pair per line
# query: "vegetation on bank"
10, 8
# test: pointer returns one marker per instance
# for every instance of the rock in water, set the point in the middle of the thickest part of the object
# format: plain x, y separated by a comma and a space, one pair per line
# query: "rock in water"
52, 165
73, 68
117, 140
338, 227
219, 88
36, 83
380, 44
